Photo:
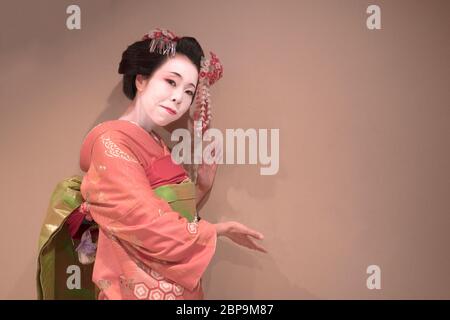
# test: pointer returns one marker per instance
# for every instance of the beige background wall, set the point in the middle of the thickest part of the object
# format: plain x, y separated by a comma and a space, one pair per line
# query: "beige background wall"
364, 135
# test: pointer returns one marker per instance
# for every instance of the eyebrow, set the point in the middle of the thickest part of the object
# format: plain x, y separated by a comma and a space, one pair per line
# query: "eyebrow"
179, 75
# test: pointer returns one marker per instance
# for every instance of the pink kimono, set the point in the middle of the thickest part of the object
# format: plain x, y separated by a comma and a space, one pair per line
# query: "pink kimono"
145, 250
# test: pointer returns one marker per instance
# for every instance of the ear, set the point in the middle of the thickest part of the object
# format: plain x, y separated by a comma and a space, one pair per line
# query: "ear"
140, 82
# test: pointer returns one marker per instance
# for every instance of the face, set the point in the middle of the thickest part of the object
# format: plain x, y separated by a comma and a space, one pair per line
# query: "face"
168, 93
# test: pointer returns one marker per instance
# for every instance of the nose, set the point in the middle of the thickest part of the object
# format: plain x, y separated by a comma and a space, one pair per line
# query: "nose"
177, 97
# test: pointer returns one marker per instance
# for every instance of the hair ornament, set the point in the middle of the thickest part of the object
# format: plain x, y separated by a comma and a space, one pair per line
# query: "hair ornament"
162, 41
211, 70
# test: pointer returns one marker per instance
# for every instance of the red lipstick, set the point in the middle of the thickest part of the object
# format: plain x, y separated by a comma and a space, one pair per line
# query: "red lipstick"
169, 110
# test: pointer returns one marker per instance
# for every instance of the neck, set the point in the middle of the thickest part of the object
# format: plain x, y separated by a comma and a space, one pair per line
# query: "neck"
134, 113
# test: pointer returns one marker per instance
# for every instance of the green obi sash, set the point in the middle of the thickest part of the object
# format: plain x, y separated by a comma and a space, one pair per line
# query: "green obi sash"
60, 276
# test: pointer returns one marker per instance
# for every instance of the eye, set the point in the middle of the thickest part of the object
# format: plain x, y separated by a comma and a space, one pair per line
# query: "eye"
190, 93
171, 82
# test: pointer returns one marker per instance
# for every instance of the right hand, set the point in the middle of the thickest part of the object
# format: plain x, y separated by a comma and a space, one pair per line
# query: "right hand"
240, 234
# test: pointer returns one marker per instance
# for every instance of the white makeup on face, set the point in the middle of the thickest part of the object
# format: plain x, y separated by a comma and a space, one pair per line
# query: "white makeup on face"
169, 92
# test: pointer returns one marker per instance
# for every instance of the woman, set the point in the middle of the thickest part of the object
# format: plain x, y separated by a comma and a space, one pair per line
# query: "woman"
151, 242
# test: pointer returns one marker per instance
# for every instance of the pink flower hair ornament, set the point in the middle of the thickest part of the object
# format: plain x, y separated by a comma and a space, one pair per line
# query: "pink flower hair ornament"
211, 70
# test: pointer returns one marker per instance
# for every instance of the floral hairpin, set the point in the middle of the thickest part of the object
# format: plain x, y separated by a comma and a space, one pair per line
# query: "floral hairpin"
163, 41
210, 72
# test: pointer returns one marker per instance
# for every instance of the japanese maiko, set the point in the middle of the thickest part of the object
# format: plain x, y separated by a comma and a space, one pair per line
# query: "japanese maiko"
129, 228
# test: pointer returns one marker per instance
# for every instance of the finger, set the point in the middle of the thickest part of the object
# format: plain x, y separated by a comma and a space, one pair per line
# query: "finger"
247, 231
255, 234
218, 151
219, 147
261, 249
257, 247
217, 156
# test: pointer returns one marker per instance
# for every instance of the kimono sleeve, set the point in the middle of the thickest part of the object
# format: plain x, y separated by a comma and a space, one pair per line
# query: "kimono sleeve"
124, 205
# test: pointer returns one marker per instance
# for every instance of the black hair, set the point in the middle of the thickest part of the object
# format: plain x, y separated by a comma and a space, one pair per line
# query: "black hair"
137, 59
